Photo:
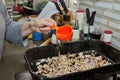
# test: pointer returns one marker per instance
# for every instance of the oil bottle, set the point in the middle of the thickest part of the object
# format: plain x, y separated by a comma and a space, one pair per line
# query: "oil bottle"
76, 31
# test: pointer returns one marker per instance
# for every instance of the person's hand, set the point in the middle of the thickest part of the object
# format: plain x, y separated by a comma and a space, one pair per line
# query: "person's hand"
39, 25
42, 25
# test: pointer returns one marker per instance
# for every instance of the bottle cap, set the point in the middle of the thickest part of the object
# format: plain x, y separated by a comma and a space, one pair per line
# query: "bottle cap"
108, 32
80, 11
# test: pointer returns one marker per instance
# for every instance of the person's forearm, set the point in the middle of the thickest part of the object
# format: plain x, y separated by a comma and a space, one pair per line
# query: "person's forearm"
27, 28
39, 25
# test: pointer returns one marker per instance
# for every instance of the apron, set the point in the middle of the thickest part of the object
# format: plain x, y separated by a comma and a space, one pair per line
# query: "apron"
2, 34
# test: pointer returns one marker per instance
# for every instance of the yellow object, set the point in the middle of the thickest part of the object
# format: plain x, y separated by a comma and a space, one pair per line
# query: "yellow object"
30, 36
71, 15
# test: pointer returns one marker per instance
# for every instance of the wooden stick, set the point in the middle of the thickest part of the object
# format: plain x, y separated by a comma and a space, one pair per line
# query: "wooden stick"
46, 42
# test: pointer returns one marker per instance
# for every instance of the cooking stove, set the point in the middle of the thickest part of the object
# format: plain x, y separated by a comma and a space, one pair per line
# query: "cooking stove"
27, 76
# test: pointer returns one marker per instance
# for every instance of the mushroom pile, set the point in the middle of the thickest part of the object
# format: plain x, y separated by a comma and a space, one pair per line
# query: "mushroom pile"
70, 63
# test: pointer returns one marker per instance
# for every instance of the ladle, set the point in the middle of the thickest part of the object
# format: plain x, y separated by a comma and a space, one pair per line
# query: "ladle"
63, 33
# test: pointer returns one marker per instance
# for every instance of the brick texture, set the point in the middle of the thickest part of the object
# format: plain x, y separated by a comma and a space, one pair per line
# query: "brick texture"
108, 16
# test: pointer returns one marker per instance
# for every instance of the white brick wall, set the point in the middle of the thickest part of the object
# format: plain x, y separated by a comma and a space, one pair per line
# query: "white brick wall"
87, 2
108, 16
115, 42
114, 25
116, 7
112, 15
101, 20
116, 34
103, 4
100, 12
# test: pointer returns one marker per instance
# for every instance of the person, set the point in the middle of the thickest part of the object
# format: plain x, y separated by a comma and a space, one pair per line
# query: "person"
15, 32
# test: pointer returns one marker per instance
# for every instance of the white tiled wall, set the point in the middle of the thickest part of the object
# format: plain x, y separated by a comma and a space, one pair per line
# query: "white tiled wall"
116, 7
103, 4
108, 16
101, 20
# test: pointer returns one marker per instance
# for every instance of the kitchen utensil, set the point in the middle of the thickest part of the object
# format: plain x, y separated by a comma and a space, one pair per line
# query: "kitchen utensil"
57, 6
90, 20
63, 33
64, 5
46, 42
87, 15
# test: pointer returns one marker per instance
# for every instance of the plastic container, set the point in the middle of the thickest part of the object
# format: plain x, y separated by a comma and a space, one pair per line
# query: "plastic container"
53, 37
76, 35
107, 37
18, 7
80, 15
52, 32
37, 36
96, 34
76, 32
63, 33
37, 39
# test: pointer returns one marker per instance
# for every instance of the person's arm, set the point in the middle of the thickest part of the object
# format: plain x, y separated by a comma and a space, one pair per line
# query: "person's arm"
39, 25
12, 29
15, 32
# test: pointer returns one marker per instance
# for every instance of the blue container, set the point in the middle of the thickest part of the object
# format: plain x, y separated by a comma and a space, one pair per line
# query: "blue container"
37, 36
